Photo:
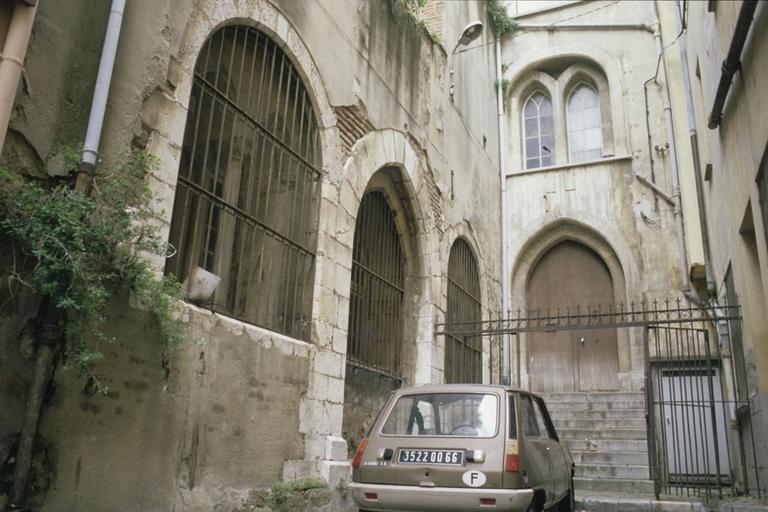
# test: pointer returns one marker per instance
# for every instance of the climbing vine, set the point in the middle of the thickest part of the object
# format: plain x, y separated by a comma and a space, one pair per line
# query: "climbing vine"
87, 246
501, 22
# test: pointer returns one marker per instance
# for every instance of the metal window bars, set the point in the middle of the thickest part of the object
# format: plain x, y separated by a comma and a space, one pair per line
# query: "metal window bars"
463, 353
378, 289
248, 188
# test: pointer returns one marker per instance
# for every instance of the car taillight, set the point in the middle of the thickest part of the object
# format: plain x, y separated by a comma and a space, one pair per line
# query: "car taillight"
511, 457
359, 453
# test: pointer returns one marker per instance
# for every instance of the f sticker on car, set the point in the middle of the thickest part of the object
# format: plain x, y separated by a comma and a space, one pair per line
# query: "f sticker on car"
473, 478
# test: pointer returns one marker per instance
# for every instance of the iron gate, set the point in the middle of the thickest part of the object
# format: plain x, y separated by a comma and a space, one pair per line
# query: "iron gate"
692, 393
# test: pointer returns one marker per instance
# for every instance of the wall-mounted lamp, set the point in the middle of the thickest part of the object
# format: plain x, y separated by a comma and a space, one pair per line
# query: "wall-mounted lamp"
469, 34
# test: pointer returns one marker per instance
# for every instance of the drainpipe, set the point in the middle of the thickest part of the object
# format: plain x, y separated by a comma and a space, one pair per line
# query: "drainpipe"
695, 153
51, 317
100, 94
506, 376
14, 51
732, 62
678, 211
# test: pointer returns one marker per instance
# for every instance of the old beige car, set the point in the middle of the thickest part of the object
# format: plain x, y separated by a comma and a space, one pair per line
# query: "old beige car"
462, 447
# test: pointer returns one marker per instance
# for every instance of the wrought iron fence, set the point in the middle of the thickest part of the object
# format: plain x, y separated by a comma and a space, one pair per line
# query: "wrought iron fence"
463, 353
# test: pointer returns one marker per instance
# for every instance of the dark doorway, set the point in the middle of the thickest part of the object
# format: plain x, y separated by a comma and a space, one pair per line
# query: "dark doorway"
565, 361
375, 316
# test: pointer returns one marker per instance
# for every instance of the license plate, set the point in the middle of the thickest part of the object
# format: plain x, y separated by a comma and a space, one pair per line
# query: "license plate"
416, 456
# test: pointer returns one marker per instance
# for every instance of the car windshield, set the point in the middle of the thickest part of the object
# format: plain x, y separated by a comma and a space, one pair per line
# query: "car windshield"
443, 414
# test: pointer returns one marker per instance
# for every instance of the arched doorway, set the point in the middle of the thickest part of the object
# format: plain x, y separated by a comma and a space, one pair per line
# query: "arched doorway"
571, 276
463, 353
376, 316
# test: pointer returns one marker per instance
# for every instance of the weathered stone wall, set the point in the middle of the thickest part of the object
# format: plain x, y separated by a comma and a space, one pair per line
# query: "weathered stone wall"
736, 151
244, 407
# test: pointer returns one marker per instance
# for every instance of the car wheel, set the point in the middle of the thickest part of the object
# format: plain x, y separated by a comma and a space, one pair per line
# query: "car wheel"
536, 505
568, 504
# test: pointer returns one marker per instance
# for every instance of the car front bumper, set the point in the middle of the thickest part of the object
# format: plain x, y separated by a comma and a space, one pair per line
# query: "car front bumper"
406, 498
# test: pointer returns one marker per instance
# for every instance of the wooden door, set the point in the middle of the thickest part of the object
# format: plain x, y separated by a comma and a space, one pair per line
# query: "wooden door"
569, 276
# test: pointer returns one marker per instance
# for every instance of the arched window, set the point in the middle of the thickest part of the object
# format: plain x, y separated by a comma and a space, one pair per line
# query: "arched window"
463, 354
248, 184
539, 132
585, 128
378, 288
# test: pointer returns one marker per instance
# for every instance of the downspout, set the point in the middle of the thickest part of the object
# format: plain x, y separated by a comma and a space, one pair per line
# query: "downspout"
505, 349
100, 94
50, 315
732, 62
695, 154
677, 209
14, 51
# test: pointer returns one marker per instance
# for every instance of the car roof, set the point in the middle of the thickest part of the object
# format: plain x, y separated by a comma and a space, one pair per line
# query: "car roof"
458, 388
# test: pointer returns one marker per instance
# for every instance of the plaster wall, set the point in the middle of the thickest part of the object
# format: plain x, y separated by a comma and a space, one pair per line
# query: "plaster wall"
733, 211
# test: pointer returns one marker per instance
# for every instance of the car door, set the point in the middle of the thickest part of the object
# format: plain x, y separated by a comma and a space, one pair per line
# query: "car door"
535, 460
559, 471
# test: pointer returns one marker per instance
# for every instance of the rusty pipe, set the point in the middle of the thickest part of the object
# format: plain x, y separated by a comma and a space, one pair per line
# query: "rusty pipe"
14, 52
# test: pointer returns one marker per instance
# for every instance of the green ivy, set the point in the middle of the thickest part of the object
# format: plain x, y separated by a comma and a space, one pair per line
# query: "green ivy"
86, 247
283, 491
501, 22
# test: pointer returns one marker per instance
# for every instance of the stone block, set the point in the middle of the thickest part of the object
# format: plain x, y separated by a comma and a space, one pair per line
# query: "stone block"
335, 390
296, 469
329, 363
335, 472
335, 449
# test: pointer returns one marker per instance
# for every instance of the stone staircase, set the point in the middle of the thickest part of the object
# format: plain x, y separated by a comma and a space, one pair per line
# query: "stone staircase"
606, 435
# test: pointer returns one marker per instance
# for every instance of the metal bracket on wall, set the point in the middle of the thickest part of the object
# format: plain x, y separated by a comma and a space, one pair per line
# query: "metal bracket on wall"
666, 197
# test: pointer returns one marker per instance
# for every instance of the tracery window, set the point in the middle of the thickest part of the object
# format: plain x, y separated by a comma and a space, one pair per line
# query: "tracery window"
248, 184
585, 128
539, 131
463, 353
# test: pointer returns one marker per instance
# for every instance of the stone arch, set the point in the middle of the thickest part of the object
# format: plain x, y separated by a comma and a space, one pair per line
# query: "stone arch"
463, 230
167, 130
385, 161
604, 70
607, 245
405, 181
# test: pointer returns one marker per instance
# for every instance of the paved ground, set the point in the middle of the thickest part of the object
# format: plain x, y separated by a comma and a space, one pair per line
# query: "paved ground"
616, 503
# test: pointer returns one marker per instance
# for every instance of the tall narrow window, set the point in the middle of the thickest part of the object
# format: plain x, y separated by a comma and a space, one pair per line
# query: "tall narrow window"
248, 184
539, 132
585, 128
463, 354
378, 288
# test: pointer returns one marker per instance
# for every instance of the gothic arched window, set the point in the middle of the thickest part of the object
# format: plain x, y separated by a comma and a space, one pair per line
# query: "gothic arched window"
539, 131
585, 127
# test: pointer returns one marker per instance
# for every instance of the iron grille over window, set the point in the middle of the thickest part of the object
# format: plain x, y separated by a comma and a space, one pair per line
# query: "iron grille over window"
378, 275
463, 354
248, 186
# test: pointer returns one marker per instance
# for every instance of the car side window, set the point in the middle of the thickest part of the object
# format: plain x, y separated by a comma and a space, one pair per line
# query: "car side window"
530, 424
542, 422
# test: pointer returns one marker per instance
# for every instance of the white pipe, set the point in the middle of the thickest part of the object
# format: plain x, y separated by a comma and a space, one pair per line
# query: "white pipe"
506, 376
682, 250
103, 80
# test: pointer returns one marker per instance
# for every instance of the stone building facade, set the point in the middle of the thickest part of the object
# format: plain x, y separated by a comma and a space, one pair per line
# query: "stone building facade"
248, 403
389, 189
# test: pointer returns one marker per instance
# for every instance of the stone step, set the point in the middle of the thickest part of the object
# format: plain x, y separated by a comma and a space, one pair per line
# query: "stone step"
596, 396
595, 406
613, 414
592, 424
606, 433
620, 485
629, 471
636, 458
606, 445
